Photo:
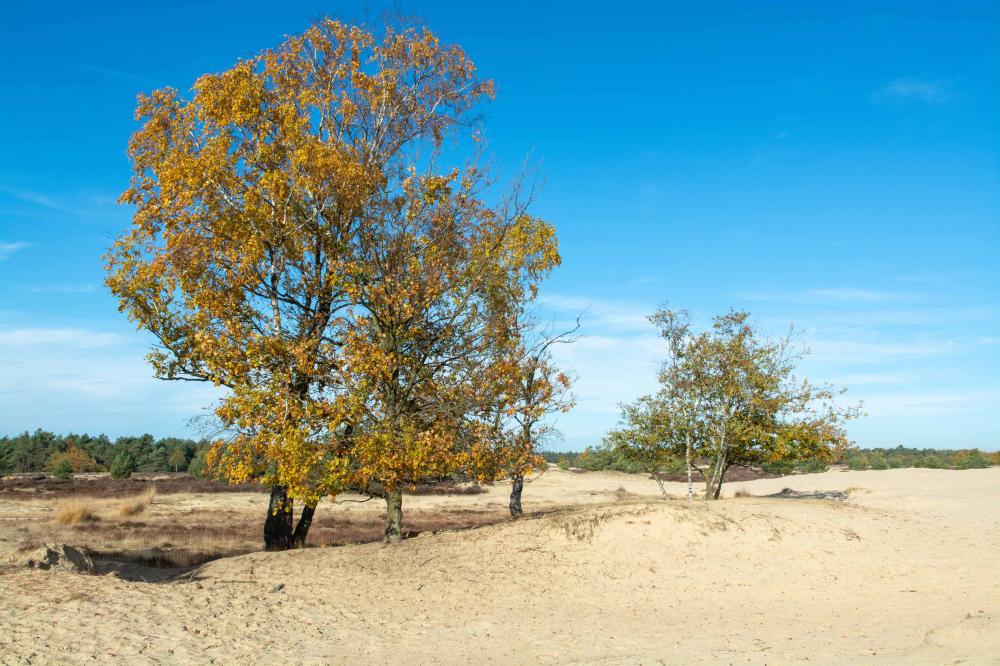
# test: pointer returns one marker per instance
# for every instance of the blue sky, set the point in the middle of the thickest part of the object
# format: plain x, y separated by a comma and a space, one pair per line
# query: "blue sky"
834, 165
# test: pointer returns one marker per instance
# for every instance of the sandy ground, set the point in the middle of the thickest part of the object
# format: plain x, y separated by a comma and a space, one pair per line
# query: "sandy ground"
898, 566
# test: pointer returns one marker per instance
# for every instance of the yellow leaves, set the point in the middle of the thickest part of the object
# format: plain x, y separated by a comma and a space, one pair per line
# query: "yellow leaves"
294, 242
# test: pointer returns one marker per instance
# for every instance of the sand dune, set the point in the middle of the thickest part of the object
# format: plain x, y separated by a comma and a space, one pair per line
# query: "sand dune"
898, 566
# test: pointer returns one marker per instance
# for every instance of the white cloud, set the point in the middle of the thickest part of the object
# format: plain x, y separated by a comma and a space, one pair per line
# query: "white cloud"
870, 379
829, 295
610, 370
856, 295
7, 249
600, 314
932, 403
63, 289
78, 338
854, 351
907, 89
84, 379
89, 207
989, 340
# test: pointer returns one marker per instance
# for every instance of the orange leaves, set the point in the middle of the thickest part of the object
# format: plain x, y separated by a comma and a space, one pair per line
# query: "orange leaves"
294, 242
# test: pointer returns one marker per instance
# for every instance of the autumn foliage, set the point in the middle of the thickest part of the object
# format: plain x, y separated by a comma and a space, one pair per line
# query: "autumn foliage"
302, 237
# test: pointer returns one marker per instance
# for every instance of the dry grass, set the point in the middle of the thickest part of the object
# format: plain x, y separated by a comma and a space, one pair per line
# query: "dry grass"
133, 506
32, 487
75, 512
171, 530
742, 492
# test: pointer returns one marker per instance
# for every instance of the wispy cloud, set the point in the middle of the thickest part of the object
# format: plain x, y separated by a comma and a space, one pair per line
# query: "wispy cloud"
911, 89
600, 314
830, 295
932, 403
88, 207
7, 249
989, 340
857, 295
112, 73
83, 378
870, 379
853, 351
78, 338
63, 289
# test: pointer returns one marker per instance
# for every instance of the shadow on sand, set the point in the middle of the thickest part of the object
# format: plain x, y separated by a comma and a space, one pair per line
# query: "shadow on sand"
788, 493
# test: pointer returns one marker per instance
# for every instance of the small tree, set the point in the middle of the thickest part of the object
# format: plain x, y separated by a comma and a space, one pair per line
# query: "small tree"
729, 397
178, 458
539, 390
62, 469
79, 461
122, 466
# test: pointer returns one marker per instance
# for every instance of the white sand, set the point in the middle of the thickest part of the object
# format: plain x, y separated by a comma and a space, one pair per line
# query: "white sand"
905, 570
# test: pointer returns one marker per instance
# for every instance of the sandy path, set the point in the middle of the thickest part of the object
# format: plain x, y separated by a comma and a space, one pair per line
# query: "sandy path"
905, 570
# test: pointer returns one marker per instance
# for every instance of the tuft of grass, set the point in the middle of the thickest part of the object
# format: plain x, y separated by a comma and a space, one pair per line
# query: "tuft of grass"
76, 512
742, 492
133, 506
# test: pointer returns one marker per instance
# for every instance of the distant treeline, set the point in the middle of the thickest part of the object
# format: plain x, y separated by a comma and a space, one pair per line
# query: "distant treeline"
43, 451
930, 458
601, 458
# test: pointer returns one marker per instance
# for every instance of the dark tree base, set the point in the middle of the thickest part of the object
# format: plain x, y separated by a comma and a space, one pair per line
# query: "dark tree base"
515, 496
278, 524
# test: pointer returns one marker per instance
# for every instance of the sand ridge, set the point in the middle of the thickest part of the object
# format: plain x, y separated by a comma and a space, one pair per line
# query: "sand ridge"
854, 567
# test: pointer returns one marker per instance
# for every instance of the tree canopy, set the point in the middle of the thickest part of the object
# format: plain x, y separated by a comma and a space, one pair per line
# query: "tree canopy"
302, 237
728, 396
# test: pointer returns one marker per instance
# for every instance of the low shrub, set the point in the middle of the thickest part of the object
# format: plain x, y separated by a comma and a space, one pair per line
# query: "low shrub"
782, 467
76, 512
133, 506
63, 469
814, 466
122, 466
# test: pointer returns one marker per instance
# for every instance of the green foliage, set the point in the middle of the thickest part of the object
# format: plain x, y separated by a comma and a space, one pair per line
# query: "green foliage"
863, 459
40, 451
605, 458
728, 396
122, 466
783, 467
814, 466
63, 469
198, 467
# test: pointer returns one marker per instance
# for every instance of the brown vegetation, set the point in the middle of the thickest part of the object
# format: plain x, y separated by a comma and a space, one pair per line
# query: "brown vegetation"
136, 505
76, 512
36, 486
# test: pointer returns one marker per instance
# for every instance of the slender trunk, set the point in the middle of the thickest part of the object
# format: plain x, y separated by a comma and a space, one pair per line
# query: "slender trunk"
687, 455
515, 496
659, 482
302, 527
393, 515
718, 487
278, 524
715, 480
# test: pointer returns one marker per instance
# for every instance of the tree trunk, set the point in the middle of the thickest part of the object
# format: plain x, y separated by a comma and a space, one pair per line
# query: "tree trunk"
278, 524
718, 487
714, 483
687, 455
393, 515
515, 496
302, 527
